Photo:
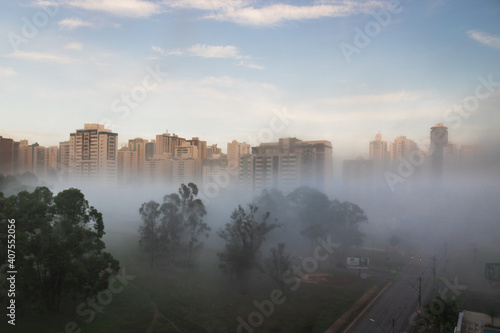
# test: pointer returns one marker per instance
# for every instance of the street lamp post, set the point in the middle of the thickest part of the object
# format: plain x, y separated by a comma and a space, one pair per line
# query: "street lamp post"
419, 289
420, 292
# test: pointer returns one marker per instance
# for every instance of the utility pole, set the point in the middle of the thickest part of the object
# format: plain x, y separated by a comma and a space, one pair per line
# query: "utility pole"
393, 324
420, 292
433, 271
445, 256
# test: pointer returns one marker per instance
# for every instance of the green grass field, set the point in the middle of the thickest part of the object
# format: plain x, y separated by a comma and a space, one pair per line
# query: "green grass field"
200, 299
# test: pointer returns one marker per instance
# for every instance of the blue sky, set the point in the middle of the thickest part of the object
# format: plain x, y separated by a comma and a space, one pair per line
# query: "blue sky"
228, 67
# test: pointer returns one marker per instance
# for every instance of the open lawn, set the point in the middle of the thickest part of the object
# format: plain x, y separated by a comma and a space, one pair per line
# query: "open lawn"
200, 298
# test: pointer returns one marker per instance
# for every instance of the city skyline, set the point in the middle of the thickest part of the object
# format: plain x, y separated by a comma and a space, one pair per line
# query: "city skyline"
221, 70
366, 153
98, 144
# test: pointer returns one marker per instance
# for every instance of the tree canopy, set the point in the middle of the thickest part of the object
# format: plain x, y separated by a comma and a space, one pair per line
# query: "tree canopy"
244, 236
175, 225
153, 238
318, 216
59, 247
278, 263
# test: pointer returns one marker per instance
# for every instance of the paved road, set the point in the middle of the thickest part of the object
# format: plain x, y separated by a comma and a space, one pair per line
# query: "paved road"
398, 302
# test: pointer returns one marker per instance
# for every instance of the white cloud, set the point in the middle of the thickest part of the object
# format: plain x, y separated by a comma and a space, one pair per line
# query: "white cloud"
44, 3
231, 82
122, 8
483, 38
74, 46
402, 96
177, 52
279, 13
6, 72
206, 4
40, 57
211, 51
252, 99
243, 12
250, 64
73, 23
158, 49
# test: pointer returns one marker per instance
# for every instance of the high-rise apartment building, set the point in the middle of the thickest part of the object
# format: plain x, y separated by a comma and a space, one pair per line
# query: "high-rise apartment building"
24, 157
52, 158
214, 152
439, 141
246, 176
93, 154
378, 149
201, 147
186, 150
158, 170
401, 147
166, 143
213, 170
128, 166
150, 149
6, 156
379, 154
39, 160
235, 150
286, 165
358, 170
63, 160
186, 165
185, 170
139, 145
132, 161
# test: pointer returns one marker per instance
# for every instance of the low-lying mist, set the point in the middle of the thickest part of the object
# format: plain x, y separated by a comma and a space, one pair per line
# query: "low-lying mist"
446, 218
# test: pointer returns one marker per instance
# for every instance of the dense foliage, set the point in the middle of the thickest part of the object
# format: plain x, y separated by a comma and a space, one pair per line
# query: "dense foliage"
244, 236
175, 225
58, 246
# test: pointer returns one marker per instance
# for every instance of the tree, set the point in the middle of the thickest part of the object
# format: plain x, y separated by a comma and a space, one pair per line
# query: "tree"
276, 203
493, 313
244, 236
344, 222
312, 208
441, 314
183, 218
10, 185
278, 264
59, 247
153, 236
320, 216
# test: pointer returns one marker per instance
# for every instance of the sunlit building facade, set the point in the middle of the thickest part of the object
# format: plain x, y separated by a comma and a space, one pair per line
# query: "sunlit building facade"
93, 154
286, 165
